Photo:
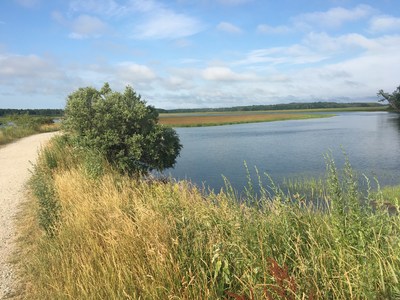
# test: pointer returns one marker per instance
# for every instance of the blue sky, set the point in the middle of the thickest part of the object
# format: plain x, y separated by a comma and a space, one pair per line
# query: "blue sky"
204, 53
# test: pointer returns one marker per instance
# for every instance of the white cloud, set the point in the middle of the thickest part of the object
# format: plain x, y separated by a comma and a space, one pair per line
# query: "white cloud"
83, 26
228, 27
25, 77
292, 55
357, 78
384, 24
30, 66
267, 29
30, 78
177, 83
334, 17
87, 26
347, 43
99, 7
318, 48
113, 7
226, 74
365, 65
166, 24
135, 73
148, 19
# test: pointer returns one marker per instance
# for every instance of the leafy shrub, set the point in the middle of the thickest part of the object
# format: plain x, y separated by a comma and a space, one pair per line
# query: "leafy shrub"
122, 128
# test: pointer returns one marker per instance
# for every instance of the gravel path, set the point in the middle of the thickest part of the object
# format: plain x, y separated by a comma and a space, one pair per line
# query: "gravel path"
15, 162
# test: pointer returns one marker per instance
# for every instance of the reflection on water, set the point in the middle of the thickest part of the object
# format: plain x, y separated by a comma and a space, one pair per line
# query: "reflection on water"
291, 149
394, 121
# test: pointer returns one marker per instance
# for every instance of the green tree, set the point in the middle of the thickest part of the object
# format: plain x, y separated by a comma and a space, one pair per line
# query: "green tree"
122, 128
393, 99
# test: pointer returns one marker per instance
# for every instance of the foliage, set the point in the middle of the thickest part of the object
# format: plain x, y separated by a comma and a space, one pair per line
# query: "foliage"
122, 128
393, 98
17, 126
123, 238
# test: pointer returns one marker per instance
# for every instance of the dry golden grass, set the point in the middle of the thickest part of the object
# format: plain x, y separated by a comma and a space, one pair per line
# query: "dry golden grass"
50, 127
118, 241
119, 238
209, 120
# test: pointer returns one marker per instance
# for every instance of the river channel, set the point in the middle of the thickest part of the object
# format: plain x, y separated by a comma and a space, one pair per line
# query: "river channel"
291, 149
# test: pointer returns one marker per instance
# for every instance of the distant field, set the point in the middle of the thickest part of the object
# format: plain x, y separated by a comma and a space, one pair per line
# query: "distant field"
213, 119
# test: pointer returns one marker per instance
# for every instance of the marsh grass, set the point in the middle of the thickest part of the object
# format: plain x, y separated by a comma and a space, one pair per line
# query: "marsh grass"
207, 119
23, 126
114, 237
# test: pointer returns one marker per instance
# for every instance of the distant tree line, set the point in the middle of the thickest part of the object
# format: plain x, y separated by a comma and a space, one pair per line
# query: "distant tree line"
32, 112
288, 106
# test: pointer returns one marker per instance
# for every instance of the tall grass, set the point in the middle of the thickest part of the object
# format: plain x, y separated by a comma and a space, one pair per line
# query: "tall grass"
9, 134
24, 125
112, 237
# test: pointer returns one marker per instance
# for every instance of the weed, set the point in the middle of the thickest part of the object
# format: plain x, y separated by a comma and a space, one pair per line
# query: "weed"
285, 286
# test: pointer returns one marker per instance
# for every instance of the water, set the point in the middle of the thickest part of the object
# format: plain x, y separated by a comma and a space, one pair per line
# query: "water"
291, 149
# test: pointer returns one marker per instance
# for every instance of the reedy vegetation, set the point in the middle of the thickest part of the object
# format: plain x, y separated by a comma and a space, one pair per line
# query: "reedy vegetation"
103, 235
24, 125
187, 120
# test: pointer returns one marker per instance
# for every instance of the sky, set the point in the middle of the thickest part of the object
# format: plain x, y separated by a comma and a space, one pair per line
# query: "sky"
199, 53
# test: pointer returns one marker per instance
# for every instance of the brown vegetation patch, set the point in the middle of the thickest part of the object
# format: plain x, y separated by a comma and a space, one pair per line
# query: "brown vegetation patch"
207, 120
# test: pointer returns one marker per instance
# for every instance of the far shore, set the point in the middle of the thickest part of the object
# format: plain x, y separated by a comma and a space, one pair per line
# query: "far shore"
206, 119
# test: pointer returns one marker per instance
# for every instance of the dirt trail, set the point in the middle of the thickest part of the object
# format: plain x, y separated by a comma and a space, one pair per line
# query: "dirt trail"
15, 162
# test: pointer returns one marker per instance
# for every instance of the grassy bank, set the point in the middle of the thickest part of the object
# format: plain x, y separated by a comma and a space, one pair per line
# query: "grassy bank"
228, 118
19, 126
94, 234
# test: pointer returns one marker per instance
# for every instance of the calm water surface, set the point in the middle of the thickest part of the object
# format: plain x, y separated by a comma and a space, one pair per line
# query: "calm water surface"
291, 149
